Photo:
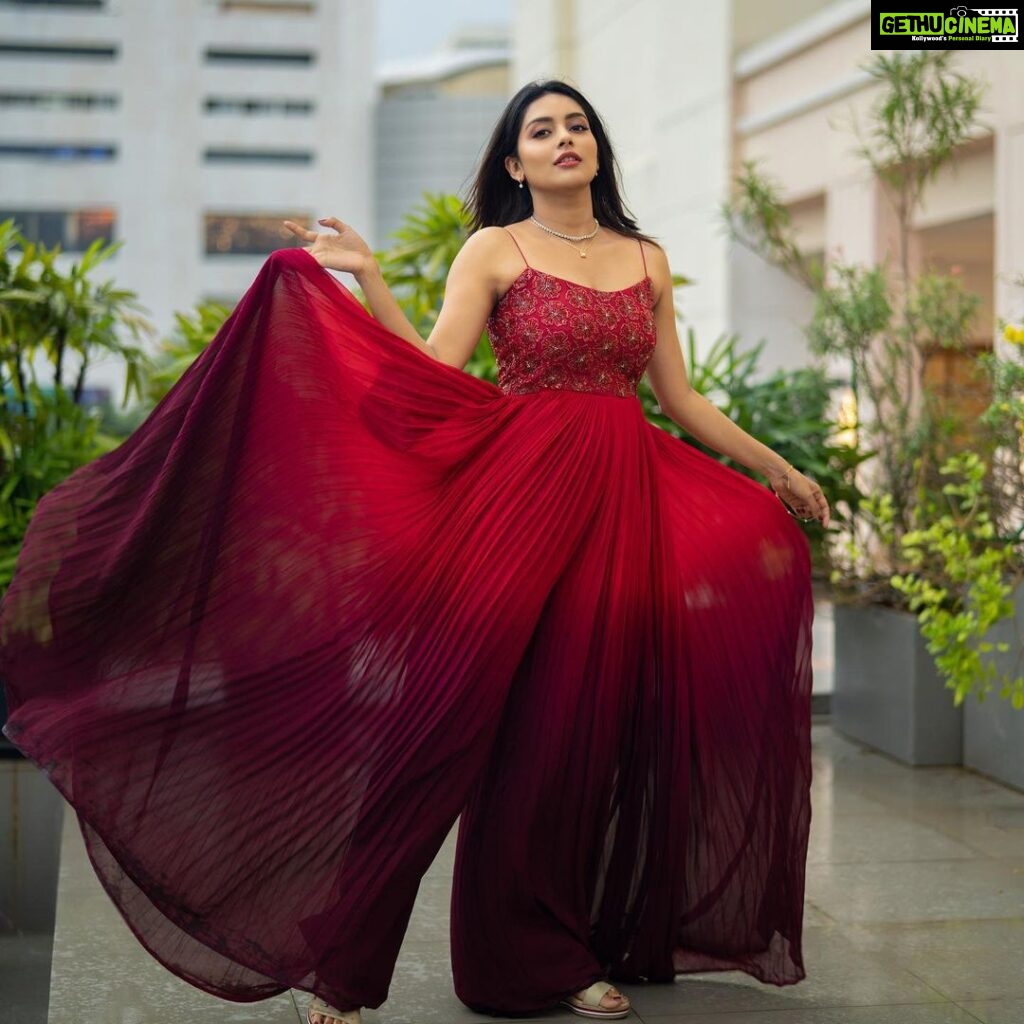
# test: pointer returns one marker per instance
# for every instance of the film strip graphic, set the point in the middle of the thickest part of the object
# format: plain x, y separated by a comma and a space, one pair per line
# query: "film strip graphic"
995, 12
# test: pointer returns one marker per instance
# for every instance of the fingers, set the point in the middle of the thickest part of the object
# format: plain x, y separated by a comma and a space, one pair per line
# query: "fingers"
295, 229
806, 505
822, 503
311, 236
816, 500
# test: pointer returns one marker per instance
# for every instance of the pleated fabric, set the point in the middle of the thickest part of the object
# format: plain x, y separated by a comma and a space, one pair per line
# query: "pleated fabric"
332, 593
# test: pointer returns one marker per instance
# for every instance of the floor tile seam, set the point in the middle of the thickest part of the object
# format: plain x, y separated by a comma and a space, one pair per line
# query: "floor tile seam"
944, 1001
946, 996
930, 922
985, 858
960, 1006
820, 910
905, 860
969, 1014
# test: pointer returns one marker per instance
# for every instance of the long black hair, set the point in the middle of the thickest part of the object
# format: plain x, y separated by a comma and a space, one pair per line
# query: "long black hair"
495, 198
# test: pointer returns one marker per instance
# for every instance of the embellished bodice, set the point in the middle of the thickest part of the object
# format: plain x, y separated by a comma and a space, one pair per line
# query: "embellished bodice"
548, 332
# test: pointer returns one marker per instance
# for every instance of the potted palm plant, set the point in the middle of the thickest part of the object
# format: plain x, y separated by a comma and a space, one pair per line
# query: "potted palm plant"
60, 317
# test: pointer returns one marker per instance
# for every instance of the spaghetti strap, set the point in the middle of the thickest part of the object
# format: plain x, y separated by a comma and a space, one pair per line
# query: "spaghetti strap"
513, 237
643, 257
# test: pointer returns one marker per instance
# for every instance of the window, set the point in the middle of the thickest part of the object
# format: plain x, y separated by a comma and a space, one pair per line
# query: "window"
80, 4
69, 50
283, 58
58, 151
265, 6
250, 106
249, 234
57, 101
258, 156
72, 230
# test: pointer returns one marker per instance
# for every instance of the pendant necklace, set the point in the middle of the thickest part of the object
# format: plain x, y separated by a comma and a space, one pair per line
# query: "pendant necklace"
570, 239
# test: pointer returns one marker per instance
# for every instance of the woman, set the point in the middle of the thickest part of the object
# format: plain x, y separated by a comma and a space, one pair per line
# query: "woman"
332, 595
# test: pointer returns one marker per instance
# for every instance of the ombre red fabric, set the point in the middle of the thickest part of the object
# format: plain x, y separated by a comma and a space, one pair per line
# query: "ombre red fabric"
332, 593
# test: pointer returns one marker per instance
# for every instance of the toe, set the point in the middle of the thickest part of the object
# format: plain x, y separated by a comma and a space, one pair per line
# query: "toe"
616, 997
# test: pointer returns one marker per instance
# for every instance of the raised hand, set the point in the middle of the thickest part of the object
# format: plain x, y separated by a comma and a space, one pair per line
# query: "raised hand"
344, 250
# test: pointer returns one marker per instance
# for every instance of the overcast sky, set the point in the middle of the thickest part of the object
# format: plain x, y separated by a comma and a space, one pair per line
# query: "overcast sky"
406, 28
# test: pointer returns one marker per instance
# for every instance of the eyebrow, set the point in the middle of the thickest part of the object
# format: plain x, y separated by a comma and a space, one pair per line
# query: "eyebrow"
575, 113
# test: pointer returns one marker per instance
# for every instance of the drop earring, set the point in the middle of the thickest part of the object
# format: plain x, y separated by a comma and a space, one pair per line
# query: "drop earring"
520, 184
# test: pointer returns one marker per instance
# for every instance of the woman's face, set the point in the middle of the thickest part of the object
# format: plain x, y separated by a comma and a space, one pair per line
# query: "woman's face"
553, 126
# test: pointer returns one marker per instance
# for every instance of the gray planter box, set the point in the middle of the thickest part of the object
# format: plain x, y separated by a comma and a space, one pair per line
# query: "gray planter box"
887, 691
993, 731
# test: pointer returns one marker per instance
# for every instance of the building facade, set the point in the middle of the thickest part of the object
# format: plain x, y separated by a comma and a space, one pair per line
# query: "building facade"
691, 91
186, 128
433, 118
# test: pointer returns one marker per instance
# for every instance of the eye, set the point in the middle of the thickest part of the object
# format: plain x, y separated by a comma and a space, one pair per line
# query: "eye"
536, 134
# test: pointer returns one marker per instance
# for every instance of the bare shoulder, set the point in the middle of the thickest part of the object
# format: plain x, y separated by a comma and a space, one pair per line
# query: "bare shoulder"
657, 269
652, 250
654, 257
477, 262
494, 250
490, 241
627, 243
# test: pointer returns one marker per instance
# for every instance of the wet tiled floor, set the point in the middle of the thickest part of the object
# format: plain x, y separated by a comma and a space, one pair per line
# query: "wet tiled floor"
914, 915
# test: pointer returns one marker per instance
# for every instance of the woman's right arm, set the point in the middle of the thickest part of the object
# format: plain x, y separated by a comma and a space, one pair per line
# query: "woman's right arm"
470, 289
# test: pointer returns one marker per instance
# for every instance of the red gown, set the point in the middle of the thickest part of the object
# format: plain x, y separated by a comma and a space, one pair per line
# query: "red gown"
332, 593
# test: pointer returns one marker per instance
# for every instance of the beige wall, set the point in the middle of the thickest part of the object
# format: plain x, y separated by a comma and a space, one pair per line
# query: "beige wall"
754, 20
488, 81
795, 117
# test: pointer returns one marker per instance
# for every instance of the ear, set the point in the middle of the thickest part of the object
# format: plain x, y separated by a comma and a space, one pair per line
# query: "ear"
511, 165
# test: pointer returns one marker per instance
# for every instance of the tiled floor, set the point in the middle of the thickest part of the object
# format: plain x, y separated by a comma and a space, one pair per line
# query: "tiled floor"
914, 915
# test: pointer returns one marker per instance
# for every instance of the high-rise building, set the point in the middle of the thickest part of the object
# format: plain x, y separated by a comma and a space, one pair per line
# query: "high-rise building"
434, 116
186, 128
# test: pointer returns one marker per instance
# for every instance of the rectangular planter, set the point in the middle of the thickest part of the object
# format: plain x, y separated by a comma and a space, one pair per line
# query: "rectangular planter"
887, 691
993, 730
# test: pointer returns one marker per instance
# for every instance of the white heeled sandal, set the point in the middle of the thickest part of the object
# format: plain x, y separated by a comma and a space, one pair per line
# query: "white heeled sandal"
588, 1002
317, 1005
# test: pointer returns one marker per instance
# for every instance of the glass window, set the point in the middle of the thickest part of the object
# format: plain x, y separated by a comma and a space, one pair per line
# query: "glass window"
265, 6
72, 230
258, 156
58, 100
249, 106
84, 51
280, 57
93, 4
58, 151
249, 234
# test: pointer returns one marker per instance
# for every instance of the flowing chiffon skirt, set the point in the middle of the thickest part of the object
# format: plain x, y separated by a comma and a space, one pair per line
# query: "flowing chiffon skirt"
332, 593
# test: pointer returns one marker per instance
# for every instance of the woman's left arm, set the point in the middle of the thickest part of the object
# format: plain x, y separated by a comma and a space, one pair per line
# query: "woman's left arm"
670, 383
